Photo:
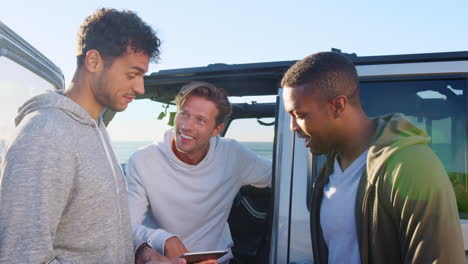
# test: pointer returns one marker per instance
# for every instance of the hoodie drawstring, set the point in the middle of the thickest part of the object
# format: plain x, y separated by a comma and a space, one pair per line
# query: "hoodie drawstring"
101, 136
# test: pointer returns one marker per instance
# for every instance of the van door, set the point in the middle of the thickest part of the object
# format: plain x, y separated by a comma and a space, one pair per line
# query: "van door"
290, 239
300, 246
24, 73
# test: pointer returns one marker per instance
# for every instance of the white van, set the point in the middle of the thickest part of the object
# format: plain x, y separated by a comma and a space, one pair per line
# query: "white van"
272, 225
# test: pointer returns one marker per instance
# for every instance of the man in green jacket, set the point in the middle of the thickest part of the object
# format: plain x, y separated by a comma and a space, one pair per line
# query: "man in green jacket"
383, 196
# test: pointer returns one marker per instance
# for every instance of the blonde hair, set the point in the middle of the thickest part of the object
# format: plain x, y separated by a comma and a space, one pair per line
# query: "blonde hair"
206, 90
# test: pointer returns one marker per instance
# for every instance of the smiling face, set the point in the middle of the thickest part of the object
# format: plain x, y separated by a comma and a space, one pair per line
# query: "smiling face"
310, 118
120, 82
195, 124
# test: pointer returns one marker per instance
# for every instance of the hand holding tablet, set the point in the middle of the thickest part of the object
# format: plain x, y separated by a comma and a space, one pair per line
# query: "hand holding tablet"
196, 257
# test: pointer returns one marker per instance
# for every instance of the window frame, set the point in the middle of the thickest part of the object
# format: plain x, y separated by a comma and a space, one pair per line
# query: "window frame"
314, 164
15, 48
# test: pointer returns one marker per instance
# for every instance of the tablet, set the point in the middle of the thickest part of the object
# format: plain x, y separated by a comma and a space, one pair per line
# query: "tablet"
195, 257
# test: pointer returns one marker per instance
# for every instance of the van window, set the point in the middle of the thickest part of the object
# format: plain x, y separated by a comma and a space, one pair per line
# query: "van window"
17, 84
437, 106
254, 135
249, 212
134, 128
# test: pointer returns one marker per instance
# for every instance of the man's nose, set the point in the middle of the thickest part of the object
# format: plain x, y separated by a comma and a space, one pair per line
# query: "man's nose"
187, 124
139, 86
293, 126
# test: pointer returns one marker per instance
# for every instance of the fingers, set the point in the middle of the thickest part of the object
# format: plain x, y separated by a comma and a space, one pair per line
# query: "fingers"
164, 260
209, 261
158, 262
153, 257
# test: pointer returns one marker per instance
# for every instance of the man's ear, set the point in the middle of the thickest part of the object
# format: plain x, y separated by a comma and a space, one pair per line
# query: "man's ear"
217, 130
93, 61
338, 104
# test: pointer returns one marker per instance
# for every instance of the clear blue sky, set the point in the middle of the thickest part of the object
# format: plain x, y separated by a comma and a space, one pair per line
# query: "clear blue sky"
198, 33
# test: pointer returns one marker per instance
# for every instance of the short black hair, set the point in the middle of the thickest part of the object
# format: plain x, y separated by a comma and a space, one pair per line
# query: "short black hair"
110, 32
328, 73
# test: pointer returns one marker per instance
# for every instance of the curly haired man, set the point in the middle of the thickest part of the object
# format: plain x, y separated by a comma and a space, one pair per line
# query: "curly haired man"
63, 197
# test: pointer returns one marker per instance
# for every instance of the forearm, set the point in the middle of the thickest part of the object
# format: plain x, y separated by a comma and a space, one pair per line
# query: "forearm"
156, 238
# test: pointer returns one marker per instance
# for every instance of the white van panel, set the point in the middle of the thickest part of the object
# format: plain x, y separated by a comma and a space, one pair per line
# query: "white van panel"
419, 68
300, 247
283, 166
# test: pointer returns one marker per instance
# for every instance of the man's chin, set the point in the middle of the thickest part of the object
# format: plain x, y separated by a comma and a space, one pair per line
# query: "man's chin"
182, 149
315, 151
117, 109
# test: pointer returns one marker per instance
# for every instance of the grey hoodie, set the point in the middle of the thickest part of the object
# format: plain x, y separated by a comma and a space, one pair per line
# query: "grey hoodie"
63, 197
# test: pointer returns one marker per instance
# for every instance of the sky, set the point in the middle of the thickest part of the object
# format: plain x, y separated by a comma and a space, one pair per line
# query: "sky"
199, 33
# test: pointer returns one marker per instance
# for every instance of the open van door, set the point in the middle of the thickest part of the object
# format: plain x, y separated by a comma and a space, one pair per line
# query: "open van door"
290, 239
24, 73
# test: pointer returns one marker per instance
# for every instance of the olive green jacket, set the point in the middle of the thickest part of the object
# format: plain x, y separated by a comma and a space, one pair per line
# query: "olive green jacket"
405, 209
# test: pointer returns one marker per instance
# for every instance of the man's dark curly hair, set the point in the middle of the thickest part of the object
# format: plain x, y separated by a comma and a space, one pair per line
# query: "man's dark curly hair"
326, 73
110, 31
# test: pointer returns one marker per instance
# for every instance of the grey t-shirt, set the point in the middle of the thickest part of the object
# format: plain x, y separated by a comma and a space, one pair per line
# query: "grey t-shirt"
337, 212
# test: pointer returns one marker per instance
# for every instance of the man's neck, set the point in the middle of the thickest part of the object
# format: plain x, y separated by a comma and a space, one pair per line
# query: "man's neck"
189, 158
356, 140
80, 92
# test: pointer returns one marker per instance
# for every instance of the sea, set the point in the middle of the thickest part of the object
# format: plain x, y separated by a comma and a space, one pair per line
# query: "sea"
124, 149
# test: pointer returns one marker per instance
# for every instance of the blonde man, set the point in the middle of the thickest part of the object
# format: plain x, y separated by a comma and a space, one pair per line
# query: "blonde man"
188, 179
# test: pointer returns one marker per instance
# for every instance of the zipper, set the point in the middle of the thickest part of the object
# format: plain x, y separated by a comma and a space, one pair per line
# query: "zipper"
109, 159
113, 152
365, 231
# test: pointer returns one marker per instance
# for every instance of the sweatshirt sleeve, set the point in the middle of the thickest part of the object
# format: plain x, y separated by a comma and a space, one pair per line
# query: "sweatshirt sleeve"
138, 207
255, 170
36, 181
424, 203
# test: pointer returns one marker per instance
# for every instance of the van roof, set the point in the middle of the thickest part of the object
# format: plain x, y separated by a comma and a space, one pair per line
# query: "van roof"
256, 79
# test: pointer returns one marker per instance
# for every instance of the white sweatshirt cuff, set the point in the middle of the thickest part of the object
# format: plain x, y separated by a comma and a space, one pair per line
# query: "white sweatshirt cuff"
157, 240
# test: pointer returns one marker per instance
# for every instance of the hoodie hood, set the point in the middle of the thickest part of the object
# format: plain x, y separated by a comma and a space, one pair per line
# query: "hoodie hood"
53, 99
393, 132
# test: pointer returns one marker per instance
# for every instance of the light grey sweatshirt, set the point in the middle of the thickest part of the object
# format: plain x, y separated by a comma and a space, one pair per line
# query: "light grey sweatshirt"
167, 196
62, 195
